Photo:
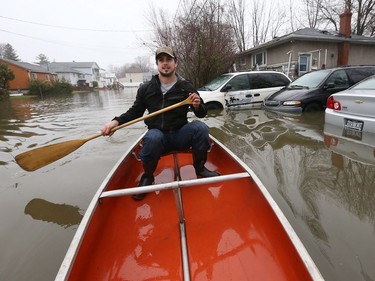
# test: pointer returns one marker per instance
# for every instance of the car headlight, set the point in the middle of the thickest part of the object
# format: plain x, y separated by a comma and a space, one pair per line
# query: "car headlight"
292, 102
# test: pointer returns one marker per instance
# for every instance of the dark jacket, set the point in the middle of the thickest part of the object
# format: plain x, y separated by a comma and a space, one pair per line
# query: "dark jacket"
150, 97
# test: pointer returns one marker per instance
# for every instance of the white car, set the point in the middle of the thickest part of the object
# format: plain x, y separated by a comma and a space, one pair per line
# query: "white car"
242, 88
353, 109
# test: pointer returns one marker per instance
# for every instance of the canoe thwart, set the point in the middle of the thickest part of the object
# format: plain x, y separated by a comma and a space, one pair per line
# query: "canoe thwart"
172, 185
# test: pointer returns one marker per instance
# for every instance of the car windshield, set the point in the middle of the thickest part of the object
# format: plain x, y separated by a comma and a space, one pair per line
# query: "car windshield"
216, 83
310, 80
365, 84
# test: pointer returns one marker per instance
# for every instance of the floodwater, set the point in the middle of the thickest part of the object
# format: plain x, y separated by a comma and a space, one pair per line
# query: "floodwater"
325, 185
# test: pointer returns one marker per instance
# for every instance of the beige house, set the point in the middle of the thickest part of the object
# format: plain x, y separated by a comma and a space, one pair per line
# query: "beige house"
134, 77
310, 49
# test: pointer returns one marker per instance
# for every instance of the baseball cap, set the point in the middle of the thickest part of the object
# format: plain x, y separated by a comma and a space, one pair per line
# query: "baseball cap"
165, 50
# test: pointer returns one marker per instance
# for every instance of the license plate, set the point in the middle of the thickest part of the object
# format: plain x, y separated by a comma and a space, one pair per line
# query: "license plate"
353, 134
353, 125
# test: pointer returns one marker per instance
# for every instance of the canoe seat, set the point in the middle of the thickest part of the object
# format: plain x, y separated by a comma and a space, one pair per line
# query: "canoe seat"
172, 152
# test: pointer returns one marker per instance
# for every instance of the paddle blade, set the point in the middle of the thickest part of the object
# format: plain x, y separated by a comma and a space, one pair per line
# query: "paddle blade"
39, 157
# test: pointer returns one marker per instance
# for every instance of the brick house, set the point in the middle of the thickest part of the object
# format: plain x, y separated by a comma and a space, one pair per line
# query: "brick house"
25, 72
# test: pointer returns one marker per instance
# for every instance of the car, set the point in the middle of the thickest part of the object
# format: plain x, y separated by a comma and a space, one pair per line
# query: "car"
242, 88
309, 93
354, 109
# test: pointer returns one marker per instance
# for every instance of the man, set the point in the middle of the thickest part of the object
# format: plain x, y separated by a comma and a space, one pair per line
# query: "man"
170, 130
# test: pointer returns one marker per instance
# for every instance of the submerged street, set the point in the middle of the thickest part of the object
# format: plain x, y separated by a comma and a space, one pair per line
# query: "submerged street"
326, 192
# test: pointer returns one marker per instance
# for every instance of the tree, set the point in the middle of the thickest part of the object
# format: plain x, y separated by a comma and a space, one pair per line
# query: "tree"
6, 75
236, 15
265, 23
8, 52
42, 59
363, 18
143, 63
203, 40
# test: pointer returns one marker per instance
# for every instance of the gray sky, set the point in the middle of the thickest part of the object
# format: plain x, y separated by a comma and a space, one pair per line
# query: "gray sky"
73, 30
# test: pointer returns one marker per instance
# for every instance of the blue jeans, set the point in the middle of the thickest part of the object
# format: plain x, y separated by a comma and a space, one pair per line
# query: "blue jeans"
156, 142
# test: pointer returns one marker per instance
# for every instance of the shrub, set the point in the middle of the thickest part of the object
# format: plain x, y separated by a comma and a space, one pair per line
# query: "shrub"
37, 87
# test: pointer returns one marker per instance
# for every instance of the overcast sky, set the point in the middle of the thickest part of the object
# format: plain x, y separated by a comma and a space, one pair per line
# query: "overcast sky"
109, 32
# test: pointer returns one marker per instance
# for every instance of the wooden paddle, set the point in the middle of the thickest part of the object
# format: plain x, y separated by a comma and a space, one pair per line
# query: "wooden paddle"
39, 157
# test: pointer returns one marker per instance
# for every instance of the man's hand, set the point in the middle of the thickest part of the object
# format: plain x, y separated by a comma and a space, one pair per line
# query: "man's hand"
106, 130
196, 100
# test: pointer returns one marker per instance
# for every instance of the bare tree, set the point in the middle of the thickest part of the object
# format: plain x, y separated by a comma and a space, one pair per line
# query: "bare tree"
203, 41
237, 18
312, 12
265, 23
363, 18
143, 64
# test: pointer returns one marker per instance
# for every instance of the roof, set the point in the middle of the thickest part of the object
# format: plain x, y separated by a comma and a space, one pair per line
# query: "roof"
78, 64
28, 66
61, 68
312, 34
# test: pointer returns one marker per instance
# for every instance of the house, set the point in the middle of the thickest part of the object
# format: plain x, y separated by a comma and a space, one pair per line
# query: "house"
109, 80
134, 77
66, 73
309, 49
25, 72
78, 73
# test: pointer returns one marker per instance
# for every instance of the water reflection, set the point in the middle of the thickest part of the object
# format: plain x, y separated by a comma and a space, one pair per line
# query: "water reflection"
61, 214
289, 154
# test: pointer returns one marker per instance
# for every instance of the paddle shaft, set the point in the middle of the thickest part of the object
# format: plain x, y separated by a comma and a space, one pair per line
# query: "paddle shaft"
42, 156
184, 102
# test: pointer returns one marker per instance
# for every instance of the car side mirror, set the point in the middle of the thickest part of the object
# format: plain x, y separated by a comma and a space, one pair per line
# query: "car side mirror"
330, 85
226, 88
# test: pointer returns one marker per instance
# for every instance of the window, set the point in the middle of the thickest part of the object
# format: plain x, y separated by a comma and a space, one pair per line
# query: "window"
268, 80
35, 77
259, 59
339, 79
357, 74
239, 83
47, 77
304, 64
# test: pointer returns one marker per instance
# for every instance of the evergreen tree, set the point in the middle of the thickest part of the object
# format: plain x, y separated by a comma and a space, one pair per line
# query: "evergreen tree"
42, 59
9, 53
6, 75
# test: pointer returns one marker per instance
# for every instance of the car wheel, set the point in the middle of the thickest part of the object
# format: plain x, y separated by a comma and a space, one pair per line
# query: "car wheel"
214, 106
313, 107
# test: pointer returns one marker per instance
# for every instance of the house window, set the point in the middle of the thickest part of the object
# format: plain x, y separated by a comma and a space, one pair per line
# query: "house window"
35, 77
304, 64
47, 77
259, 59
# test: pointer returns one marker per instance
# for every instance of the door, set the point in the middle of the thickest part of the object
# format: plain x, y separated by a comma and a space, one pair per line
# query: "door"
237, 91
304, 64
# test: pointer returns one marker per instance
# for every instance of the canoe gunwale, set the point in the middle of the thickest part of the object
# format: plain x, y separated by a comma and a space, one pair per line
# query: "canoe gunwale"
172, 185
74, 246
296, 241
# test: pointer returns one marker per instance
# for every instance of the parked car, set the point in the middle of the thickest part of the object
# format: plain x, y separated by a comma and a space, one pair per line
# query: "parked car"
310, 92
354, 109
242, 88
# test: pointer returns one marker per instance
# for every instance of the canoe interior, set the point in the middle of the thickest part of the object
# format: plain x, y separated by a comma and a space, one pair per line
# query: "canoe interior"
232, 232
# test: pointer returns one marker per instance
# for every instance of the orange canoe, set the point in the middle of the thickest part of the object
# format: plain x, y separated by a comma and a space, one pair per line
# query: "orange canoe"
220, 228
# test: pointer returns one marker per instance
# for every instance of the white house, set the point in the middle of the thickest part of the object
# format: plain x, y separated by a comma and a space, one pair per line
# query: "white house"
109, 80
77, 73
